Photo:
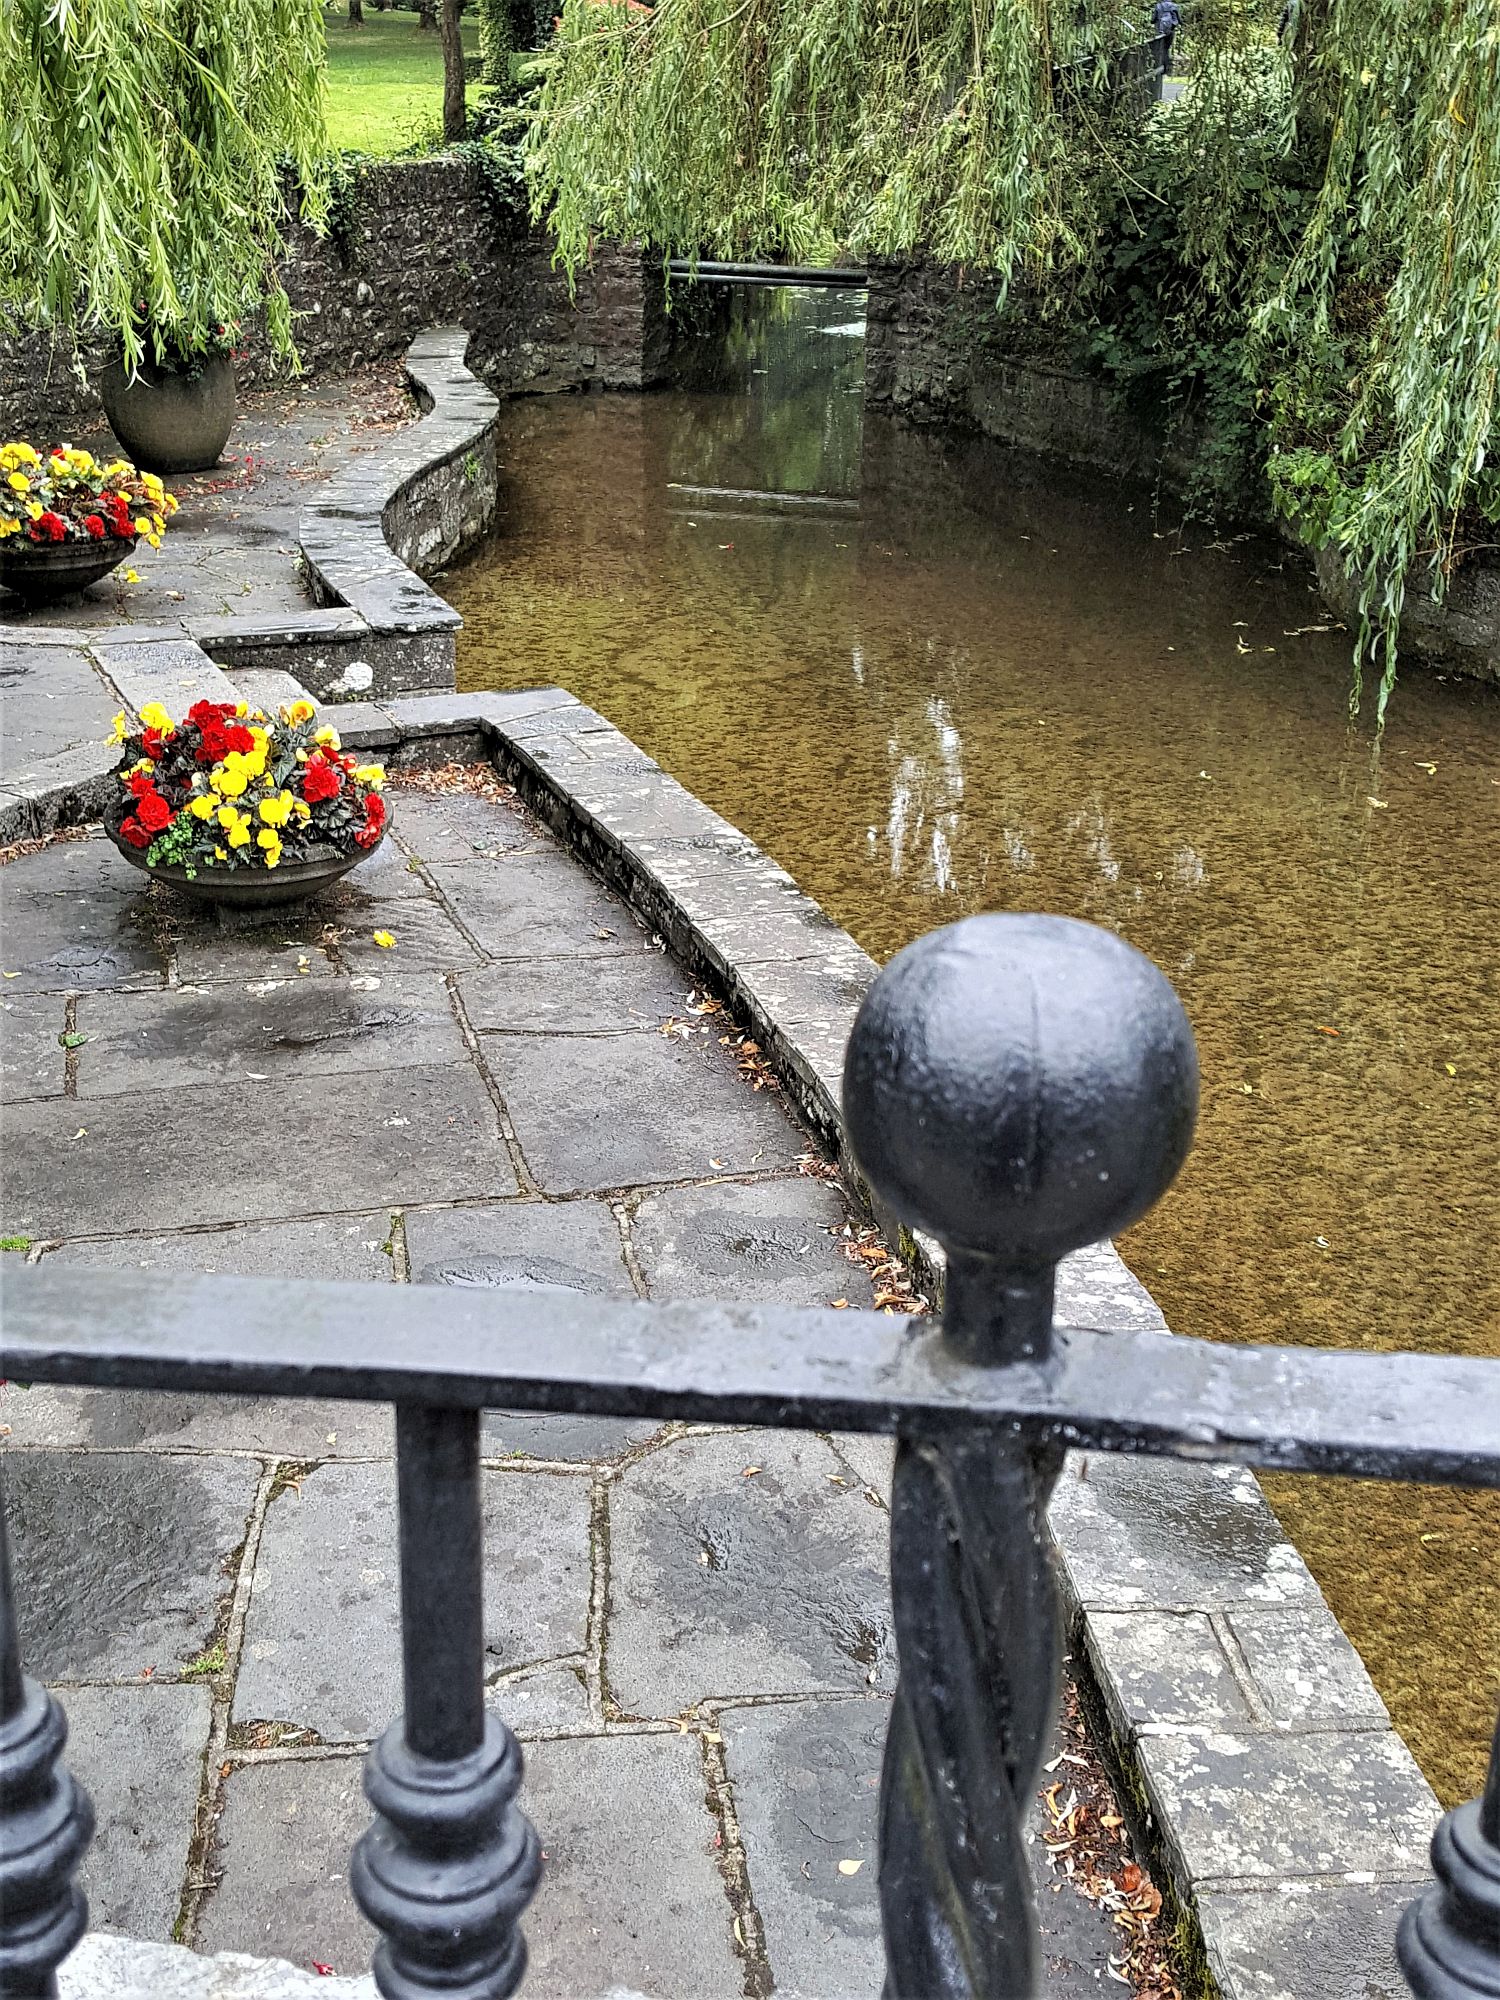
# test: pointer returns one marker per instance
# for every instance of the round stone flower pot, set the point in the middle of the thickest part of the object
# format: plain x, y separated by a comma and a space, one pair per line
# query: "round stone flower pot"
246, 889
169, 422
43, 572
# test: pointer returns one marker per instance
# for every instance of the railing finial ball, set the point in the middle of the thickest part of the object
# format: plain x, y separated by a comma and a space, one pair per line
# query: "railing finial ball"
1020, 1086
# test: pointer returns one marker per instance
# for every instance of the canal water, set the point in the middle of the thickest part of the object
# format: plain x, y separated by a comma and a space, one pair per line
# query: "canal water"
932, 677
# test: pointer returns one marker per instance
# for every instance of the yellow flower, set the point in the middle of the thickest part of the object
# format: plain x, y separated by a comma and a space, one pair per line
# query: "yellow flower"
132, 576
239, 836
142, 525
143, 764
35, 509
328, 736
204, 807
270, 843
117, 728
277, 811
229, 817
18, 482
231, 782
8, 526
169, 503
383, 939
303, 811
298, 711
25, 454
221, 854
372, 775
154, 716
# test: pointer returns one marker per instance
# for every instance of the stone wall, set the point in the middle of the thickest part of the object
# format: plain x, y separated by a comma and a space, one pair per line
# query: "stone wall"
935, 354
422, 245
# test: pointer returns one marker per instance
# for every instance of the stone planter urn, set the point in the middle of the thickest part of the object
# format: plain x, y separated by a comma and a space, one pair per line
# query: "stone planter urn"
169, 421
43, 572
243, 892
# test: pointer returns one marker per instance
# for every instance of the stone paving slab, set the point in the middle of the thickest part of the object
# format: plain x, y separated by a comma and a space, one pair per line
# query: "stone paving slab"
114, 1968
33, 1061
777, 1241
137, 1752
55, 710
726, 1582
535, 906
460, 827
73, 940
610, 1111
142, 1420
806, 1779
1303, 1941
1231, 1804
574, 1245
322, 1636
226, 1037
120, 1558
630, 1901
426, 937
423, 1133
577, 995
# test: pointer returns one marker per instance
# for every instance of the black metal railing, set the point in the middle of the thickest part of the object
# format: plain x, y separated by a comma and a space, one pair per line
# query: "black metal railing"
1017, 1086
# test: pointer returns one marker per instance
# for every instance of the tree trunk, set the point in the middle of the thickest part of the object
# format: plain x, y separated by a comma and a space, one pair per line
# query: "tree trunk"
426, 13
455, 117
356, 13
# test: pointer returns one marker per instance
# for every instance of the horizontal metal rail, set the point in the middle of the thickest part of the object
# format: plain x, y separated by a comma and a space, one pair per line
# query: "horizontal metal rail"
827, 278
1380, 1416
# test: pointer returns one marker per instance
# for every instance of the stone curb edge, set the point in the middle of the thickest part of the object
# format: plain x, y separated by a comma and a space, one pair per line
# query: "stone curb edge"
1292, 1819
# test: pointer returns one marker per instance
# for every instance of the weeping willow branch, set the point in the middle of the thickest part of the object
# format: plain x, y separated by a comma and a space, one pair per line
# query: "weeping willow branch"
146, 144
1333, 174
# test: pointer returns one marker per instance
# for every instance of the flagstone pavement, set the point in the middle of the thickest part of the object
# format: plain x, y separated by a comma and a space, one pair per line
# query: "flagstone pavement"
689, 1629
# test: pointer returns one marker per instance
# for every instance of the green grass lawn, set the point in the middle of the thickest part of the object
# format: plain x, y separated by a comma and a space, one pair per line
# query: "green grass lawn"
385, 82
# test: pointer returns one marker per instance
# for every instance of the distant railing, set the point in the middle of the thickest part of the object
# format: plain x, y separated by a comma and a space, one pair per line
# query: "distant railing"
1017, 1086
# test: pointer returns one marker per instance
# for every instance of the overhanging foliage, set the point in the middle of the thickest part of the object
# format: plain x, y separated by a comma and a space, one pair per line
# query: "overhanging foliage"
1333, 180
143, 145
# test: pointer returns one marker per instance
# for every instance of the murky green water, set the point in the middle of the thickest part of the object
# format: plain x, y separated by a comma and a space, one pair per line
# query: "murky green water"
974, 686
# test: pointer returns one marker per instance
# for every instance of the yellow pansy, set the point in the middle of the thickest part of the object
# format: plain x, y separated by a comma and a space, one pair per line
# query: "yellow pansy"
372, 775
18, 482
298, 711
328, 736
270, 844
117, 728
277, 811
204, 807
154, 716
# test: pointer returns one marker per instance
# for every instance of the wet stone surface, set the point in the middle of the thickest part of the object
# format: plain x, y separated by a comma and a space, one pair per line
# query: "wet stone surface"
338, 1122
745, 1564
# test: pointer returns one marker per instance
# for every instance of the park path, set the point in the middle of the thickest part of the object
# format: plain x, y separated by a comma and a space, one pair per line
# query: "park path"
688, 1628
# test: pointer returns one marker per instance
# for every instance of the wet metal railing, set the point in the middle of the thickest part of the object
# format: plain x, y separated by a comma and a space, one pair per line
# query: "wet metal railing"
1019, 1087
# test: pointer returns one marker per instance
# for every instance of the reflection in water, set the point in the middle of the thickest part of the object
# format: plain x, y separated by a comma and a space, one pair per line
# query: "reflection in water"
974, 685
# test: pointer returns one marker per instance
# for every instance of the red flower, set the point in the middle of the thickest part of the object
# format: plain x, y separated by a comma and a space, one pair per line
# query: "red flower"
214, 747
120, 528
154, 742
205, 712
154, 811
320, 781
132, 830
238, 737
138, 784
94, 526
54, 524
374, 809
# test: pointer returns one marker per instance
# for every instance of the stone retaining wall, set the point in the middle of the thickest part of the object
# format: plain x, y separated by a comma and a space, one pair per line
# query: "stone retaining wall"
420, 242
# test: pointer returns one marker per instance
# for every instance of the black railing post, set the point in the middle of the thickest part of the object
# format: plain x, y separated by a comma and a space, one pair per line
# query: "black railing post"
1019, 1086
1449, 1943
46, 1821
451, 1861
